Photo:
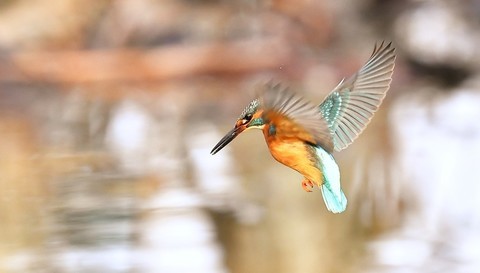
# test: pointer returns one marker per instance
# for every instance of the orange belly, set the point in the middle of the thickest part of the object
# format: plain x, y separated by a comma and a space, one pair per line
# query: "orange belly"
298, 156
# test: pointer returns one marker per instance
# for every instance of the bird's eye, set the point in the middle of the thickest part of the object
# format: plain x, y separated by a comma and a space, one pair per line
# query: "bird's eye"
247, 118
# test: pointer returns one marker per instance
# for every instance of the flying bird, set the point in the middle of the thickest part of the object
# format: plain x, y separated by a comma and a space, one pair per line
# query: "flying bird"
303, 135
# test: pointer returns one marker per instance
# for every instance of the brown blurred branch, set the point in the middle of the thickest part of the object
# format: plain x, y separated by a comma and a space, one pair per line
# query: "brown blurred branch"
141, 65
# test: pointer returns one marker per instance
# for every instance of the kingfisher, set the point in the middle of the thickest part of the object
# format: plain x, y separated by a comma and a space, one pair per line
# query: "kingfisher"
303, 135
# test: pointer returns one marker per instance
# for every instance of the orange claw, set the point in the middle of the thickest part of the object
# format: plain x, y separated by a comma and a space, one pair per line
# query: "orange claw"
307, 185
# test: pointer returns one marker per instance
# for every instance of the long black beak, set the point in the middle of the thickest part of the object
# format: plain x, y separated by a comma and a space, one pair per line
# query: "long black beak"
227, 139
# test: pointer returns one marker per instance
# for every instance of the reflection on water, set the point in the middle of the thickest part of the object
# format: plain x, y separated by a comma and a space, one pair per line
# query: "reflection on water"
87, 213
178, 236
151, 209
437, 151
103, 211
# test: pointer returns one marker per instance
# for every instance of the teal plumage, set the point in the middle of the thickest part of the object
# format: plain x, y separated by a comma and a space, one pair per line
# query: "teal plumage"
350, 106
332, 193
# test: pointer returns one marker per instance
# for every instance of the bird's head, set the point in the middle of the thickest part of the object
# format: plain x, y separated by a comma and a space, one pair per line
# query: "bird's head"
276, 108
251, 117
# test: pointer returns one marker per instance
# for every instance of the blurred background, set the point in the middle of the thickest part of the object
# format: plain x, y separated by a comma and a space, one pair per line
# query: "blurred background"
109, 109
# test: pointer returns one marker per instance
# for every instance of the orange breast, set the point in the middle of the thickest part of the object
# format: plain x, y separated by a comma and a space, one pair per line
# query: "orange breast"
295, 154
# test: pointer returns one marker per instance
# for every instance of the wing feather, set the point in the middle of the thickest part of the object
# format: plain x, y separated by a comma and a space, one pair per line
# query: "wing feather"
350, 106
279, 100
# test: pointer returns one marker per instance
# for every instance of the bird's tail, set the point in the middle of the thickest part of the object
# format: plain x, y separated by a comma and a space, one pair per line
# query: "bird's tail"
335, 202
333, 195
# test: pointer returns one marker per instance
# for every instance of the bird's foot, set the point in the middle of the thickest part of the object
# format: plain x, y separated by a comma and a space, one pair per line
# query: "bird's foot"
307, 185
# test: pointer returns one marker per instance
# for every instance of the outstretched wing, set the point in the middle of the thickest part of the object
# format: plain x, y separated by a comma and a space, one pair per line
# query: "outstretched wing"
294, 116
350, 106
